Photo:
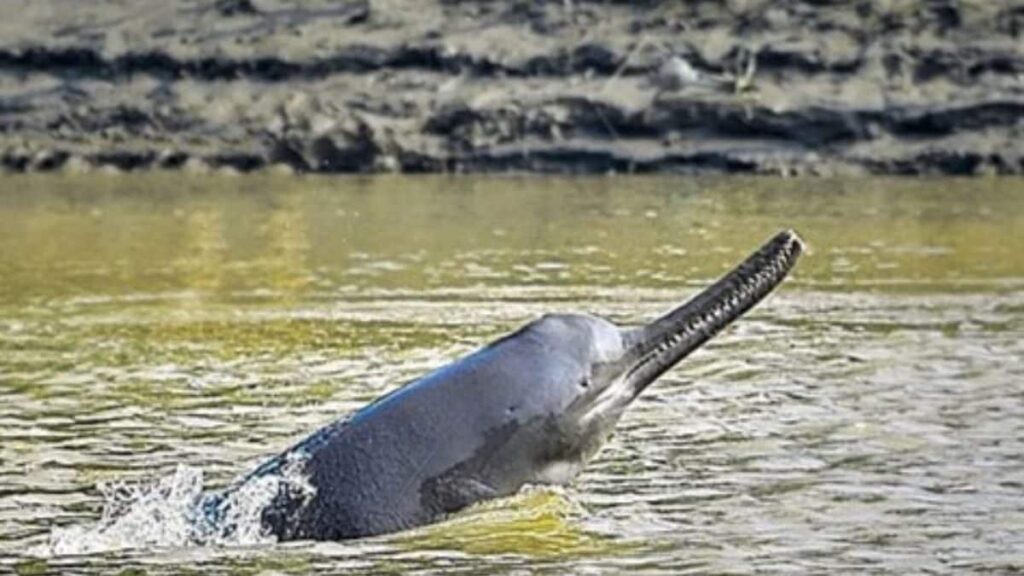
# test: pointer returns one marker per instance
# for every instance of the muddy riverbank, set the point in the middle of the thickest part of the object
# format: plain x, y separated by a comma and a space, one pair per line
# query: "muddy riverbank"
811, 86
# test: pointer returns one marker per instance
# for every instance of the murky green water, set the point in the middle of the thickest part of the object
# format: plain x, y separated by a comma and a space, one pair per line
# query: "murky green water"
868, 417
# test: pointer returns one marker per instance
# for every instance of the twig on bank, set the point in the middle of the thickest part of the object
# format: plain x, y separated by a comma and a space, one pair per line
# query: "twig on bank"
625, 62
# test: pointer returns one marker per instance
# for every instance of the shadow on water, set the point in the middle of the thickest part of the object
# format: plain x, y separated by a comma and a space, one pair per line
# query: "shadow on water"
867, 417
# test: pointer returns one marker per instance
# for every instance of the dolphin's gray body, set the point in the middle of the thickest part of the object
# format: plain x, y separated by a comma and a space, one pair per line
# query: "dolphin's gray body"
531, 407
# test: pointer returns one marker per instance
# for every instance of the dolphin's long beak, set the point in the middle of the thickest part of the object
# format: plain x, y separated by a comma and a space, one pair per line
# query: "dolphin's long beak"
655, 348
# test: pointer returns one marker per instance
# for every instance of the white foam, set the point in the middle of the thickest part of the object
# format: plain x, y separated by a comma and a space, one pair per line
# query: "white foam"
167, 513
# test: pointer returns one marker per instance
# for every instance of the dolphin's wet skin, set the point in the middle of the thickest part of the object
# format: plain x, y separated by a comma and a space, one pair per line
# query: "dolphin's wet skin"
529, 408
161, 336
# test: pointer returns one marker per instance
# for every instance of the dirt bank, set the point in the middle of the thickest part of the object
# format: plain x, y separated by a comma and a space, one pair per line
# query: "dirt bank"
804, 86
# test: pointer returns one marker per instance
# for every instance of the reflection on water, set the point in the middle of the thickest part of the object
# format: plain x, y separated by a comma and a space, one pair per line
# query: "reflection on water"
870, 416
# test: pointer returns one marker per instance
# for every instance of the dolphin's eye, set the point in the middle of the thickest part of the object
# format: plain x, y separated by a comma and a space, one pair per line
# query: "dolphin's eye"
585, 382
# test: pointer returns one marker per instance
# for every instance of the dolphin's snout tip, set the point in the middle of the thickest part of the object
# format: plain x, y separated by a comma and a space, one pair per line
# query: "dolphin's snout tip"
792, 242
792, 236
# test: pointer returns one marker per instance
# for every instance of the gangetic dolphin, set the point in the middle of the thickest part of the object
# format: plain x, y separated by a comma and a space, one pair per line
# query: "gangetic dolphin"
529, 408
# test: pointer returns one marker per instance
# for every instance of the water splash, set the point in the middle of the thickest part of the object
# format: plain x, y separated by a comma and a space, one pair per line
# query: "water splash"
173, 512
136, 516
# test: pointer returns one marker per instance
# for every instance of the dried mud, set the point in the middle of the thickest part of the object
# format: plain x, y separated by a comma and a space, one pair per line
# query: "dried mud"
896, 87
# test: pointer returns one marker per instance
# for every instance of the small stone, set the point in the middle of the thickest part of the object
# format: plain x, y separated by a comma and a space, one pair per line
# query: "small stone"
675, 73
195, 166
226, 171
281, 169
387, 163
76, 165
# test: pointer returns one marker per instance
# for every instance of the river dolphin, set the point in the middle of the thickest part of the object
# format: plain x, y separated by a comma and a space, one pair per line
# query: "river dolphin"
529, 408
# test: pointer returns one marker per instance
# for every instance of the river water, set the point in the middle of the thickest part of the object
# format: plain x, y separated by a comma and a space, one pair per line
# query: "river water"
164, 333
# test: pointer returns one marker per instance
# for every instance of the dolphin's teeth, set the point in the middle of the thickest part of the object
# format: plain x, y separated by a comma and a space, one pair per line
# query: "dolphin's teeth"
728, 299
